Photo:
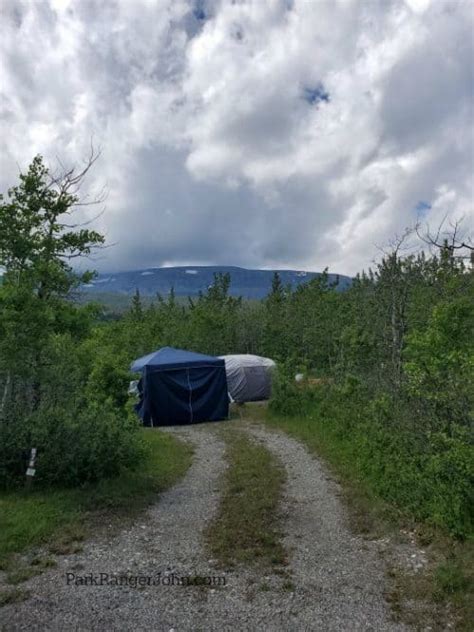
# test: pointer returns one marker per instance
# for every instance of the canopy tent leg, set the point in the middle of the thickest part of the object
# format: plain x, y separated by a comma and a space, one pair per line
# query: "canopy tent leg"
190, 398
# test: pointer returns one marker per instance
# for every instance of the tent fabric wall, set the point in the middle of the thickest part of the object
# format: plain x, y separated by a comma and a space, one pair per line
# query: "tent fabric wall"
249, 377
180, 387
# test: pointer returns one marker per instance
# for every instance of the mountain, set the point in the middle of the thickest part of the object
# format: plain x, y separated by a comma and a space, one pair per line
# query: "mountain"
190, 280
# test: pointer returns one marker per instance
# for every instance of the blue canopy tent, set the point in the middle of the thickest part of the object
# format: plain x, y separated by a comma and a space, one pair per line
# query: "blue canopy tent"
181, 387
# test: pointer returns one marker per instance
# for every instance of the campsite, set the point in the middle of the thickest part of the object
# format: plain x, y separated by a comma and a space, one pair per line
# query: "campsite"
237, 315
251, 462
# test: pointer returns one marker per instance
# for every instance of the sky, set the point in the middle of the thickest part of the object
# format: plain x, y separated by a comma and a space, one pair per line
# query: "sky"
269, 133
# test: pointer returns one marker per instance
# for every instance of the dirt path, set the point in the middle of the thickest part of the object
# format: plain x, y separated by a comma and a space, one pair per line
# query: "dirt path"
166, 540
338, 578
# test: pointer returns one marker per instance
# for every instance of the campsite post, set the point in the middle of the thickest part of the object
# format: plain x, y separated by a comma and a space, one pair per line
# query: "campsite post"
31, 471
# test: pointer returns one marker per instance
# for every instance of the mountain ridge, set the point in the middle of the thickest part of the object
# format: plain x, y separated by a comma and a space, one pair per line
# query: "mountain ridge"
190, 280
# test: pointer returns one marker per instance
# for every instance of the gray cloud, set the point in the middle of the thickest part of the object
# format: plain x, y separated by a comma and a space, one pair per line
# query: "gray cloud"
216, 147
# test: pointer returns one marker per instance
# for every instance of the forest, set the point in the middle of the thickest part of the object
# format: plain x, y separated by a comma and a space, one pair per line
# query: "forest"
388, 363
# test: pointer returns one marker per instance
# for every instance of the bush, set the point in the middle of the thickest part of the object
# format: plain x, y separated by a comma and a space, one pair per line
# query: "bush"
440, 364
289, 397
74, 446
425, 474
450, 469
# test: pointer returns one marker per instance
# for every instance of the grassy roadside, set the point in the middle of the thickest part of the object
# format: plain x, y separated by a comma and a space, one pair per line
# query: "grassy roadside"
60, 519
441, 593
245, 529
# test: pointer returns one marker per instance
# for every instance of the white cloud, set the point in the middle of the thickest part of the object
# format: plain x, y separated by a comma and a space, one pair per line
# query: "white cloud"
418, 6
255, 133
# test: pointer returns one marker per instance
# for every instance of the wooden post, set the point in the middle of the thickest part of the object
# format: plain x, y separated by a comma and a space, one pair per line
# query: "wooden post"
31, 471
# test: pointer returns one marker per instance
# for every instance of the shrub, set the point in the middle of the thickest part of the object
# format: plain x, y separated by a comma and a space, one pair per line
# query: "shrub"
384, 444
74, 446
450, 472
440, 363
288, 397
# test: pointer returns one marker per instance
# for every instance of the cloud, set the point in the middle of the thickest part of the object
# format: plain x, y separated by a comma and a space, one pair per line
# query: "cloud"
270, 133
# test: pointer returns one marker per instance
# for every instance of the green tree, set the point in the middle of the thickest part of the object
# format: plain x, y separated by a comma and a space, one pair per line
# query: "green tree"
37, 245
275, 330
440, 364
136, 309
44, 364
213, 318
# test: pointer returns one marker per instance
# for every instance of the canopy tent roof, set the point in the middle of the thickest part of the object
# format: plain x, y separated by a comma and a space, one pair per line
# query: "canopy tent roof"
247, 360
169, 358
181, 387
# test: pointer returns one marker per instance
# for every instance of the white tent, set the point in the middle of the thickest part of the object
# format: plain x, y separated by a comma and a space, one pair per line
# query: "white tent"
248, 377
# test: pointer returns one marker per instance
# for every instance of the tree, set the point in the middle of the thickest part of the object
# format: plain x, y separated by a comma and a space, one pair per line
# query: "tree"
277, 293
439, 362
275, 343
314, 311
454, 242
213, 317
136, 310
38, 243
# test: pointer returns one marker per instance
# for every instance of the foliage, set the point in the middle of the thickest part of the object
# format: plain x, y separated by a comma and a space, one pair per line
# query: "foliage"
440, 363
401, 409
43, 374
427, 475
49, 515
397, 349
288, 397
75, 445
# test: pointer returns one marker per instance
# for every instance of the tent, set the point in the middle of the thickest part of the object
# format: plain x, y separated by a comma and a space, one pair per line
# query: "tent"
249, 377
181, 387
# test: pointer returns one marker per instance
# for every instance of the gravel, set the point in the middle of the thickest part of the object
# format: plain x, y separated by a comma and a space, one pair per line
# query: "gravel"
337, 579
166, 540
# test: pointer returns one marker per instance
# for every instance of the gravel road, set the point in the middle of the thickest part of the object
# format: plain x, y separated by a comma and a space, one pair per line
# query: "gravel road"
337, 579
339, 576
